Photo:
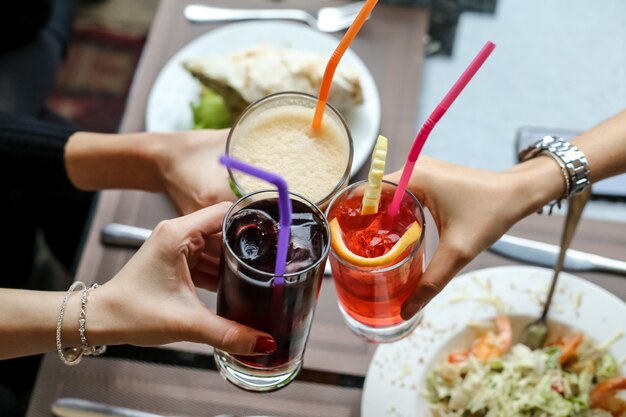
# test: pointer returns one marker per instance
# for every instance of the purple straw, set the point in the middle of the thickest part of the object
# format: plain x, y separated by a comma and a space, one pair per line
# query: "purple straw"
284, 209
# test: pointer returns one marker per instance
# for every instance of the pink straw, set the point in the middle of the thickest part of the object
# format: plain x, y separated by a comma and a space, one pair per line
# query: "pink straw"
432, 120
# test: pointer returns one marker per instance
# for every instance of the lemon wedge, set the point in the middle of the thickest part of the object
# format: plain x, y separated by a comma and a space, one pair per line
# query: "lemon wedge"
408, 238
371, 196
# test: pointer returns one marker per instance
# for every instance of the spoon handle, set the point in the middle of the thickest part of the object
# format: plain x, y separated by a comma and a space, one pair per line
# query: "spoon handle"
575, 207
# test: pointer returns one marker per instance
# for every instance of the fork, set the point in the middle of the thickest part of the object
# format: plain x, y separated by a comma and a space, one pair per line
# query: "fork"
329, 19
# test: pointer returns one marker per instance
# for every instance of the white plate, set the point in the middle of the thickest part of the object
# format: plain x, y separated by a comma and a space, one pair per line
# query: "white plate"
397, 372
168, 105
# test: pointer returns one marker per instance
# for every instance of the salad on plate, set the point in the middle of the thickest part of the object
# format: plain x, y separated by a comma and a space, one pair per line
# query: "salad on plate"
570, 376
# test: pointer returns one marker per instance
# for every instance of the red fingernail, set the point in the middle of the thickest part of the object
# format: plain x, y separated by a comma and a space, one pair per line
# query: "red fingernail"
264, 345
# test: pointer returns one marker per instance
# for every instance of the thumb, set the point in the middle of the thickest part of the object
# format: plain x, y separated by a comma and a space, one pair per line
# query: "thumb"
444, 265
232, 337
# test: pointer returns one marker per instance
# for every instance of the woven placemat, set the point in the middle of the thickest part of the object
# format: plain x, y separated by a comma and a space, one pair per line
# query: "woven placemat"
180, 391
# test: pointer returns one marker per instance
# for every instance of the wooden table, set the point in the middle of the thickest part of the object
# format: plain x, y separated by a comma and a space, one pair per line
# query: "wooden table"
181, 379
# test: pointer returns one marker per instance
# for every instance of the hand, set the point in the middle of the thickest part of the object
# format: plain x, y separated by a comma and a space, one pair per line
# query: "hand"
153, 299
190, 171
471, 208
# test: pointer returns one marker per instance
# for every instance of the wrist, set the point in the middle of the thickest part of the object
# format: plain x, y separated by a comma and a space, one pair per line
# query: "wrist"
571, 161
104, 325
538, 181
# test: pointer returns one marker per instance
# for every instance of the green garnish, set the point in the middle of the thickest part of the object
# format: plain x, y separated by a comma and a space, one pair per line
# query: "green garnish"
210, 112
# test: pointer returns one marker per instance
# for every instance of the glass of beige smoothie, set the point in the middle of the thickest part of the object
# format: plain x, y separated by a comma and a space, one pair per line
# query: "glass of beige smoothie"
275, 134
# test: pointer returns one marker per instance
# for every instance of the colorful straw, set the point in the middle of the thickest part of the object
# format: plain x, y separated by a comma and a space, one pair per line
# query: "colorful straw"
284, 209
329, 72
432, 120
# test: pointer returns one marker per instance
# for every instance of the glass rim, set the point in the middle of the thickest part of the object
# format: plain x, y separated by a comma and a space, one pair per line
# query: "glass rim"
416, 247
316, 210
346, 174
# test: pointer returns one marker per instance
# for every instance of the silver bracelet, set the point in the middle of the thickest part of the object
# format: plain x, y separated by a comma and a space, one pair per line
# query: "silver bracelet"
568, 184
82, 325
69, 356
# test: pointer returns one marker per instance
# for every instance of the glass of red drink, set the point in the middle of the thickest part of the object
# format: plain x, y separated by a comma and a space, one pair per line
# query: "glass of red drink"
248, 292
370, 298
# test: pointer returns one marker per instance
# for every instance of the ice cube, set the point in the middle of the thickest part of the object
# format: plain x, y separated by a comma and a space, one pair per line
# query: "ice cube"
253, 235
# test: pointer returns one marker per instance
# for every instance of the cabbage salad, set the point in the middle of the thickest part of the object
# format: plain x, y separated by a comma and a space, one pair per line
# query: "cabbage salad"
568, 377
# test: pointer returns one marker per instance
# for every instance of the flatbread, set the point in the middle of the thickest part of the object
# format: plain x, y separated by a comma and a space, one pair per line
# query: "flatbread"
245, 76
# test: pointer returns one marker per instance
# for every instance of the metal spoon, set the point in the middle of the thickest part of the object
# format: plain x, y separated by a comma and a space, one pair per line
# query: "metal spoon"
535, 334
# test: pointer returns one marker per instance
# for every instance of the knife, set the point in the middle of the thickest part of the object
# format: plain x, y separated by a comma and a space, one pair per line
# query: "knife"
545, 254
76, 407
115, 234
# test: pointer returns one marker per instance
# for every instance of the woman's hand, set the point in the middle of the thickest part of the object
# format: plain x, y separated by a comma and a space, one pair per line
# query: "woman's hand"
190, 172
471, 208
153, 299
182, 164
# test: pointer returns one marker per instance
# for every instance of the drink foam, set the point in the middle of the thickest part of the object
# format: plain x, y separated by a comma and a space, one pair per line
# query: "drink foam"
282, 141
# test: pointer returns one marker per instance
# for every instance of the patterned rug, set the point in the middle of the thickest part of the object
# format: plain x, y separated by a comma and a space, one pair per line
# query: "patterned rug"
93, 82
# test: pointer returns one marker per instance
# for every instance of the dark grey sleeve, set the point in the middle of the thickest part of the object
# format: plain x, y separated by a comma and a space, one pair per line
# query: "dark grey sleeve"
32, 154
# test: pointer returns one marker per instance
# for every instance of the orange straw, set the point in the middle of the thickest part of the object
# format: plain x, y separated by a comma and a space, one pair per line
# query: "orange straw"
336, 57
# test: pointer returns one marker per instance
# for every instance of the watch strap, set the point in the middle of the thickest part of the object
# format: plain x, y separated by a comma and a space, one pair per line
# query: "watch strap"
570, 159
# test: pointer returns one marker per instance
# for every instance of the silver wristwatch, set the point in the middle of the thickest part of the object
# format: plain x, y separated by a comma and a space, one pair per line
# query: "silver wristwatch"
572, 161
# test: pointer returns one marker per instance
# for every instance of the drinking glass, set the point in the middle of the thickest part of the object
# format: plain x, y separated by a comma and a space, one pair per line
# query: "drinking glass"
251, 296
370, 298
275, 134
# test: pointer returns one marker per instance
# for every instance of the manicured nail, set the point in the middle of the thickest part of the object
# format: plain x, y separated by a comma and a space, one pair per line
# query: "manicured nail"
264, 345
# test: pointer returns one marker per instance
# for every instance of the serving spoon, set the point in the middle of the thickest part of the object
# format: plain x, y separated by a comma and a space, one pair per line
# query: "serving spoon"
535, 334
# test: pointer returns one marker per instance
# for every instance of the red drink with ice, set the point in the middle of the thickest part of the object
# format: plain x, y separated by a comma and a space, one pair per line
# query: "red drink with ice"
371, 298
248, 292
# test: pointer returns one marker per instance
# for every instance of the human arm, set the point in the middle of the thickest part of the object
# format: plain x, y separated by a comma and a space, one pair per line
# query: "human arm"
151, 301
36, 155
472, 208
181, 164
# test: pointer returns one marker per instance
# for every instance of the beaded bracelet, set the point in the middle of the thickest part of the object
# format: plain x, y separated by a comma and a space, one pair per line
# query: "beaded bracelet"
72, 356
69, 356
82, 325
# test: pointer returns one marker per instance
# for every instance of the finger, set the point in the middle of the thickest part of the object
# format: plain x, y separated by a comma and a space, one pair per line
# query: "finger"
205, 280
233, 337
205, 273
207, 263
207, 220
213, 245
445, 264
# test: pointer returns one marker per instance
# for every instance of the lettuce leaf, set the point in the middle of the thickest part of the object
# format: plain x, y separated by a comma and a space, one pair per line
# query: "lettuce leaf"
210, 112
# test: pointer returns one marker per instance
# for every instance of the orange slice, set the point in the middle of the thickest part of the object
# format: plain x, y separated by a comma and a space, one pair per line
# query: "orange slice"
408, 238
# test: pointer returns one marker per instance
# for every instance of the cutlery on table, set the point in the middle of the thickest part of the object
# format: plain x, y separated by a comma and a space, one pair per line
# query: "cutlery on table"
531, 251
77, 407
545, 254
115, 234
535, 334
123, 235
329, 19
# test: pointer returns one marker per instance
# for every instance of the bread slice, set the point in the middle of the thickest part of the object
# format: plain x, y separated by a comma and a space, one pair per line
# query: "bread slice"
245, 76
